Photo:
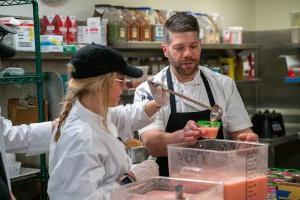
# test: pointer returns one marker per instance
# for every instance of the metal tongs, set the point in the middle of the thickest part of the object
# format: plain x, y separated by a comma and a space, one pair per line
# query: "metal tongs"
216, 111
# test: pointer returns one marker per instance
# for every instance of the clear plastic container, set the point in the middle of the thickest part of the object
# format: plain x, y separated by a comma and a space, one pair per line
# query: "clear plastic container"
14, 169
210, 129
241, 166
163, 188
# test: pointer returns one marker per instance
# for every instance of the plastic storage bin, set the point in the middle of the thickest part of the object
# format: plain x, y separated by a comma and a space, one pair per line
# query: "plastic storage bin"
163, 188
14, 169
241, 166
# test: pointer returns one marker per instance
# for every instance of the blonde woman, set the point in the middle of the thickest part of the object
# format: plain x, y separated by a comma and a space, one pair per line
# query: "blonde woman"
86, 159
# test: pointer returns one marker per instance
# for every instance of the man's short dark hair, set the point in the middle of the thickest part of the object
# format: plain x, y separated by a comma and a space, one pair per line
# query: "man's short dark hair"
179, 23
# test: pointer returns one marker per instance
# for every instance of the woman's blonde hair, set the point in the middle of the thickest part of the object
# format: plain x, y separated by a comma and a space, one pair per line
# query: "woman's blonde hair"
77, 88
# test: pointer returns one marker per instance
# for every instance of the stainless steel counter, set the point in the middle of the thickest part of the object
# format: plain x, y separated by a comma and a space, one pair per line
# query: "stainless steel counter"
26, 173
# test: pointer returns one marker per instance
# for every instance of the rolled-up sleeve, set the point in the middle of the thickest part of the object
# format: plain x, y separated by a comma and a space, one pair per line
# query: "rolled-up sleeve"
237, 117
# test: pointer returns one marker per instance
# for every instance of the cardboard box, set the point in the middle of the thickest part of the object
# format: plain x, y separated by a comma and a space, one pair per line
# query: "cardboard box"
289, 191
97, 30
25, 111
23, 40
52, 43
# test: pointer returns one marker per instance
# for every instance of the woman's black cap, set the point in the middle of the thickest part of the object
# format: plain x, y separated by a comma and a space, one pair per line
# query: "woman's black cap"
95, 59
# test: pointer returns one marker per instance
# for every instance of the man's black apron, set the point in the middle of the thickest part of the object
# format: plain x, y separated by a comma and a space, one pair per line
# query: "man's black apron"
4, 191
178, 121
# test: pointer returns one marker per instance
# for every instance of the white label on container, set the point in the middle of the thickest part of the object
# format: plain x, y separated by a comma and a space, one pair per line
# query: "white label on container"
134, 33
122, 32
158, 31
147, 34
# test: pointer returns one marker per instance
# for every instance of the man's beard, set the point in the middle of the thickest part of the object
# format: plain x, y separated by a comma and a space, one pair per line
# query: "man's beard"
184, 72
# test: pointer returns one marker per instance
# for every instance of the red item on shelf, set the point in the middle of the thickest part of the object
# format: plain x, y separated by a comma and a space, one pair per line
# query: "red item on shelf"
61, 26
71, 29
251, 61
48, 25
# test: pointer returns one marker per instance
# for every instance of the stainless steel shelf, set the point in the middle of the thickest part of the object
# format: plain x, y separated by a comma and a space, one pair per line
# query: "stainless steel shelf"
26, 173
25, 55
156, 45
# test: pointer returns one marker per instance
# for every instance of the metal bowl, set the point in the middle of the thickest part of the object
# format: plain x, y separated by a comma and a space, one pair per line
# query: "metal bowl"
138, 154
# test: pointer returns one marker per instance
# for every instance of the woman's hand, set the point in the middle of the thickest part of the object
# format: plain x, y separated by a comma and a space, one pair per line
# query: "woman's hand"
160, 96
145, 170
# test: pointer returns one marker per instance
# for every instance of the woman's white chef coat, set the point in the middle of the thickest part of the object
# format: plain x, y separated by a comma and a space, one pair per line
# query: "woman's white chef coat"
31, 139
87, 159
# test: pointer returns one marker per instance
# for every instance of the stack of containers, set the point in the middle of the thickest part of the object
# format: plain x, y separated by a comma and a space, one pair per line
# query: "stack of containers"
241, 166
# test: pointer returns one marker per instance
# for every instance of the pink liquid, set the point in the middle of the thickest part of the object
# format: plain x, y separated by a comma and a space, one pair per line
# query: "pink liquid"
209, 132
237, 190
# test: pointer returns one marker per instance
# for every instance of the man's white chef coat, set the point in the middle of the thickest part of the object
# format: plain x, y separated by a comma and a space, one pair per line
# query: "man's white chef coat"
88, 158
225, 93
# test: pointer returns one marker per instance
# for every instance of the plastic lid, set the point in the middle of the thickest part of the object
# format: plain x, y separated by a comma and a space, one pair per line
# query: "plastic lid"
209, 123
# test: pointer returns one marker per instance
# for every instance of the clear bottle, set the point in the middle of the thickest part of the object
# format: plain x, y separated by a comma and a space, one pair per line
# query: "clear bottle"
203, 25
157, 27
113, 24
133, 25
121, 12
144, 18
117, 26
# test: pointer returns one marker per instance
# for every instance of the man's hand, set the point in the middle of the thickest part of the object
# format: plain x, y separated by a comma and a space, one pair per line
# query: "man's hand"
250, 137
190, 133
